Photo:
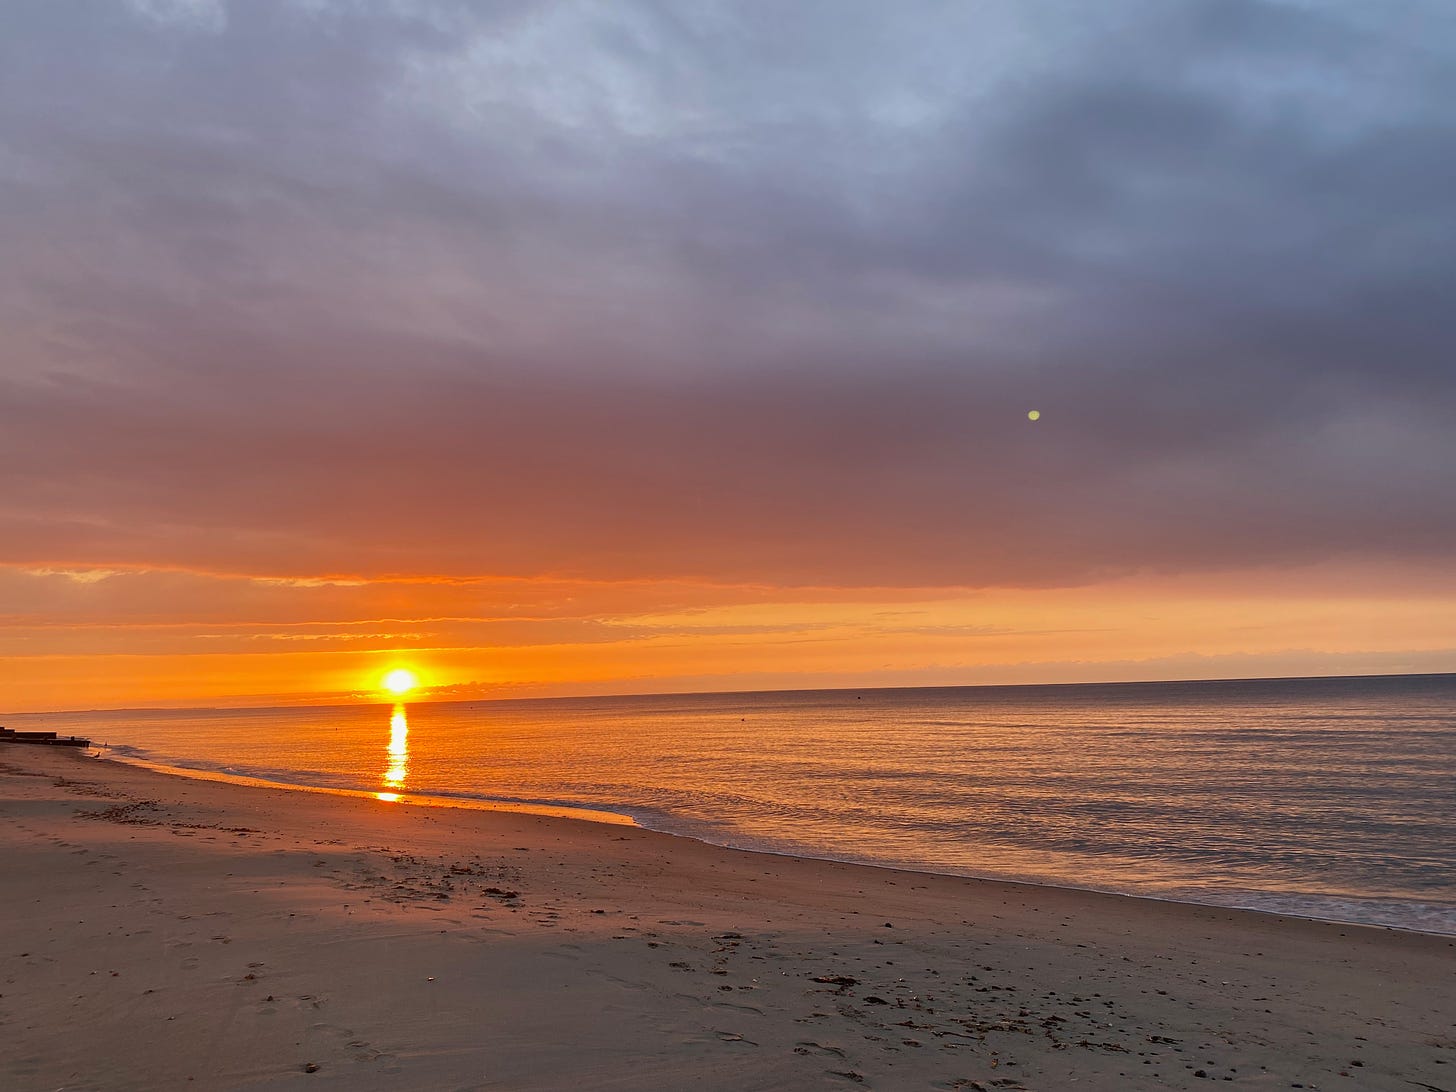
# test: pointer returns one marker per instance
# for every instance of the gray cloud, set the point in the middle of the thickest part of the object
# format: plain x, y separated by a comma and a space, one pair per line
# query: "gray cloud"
733, 292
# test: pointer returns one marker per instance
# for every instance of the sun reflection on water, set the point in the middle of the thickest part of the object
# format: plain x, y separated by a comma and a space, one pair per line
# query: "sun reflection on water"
398, 751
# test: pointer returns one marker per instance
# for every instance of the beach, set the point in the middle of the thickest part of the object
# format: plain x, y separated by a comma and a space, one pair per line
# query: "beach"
166, 932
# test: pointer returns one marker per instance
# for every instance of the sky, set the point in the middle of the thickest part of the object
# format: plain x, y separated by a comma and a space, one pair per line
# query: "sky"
666, 345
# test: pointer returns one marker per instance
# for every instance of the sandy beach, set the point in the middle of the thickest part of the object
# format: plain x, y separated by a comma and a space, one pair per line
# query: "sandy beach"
159, 932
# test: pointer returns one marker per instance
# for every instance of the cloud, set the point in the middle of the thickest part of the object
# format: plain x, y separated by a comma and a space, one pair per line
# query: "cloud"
200, 15
642, 290
76, 576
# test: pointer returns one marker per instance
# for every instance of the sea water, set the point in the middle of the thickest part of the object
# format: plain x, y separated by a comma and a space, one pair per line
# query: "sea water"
1329, 798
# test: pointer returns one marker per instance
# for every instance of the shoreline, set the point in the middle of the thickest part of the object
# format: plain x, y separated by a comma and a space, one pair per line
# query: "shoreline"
587, 814
159, 928
582, 813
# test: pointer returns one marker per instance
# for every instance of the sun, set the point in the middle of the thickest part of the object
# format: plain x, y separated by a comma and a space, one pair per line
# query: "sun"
400, 681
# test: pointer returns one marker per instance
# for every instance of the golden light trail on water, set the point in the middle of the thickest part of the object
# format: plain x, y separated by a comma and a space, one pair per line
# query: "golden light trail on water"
397, 752
398, 748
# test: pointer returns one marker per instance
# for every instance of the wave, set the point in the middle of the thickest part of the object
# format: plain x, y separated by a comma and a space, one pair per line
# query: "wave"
1432, 917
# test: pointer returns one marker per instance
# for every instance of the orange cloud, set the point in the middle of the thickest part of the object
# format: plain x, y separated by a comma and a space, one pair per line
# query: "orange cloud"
169, 637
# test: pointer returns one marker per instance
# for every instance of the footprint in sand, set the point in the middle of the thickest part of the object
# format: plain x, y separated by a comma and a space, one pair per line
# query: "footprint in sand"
363, 1051
808, 1046
384, 1061
332, 1038
734, 1037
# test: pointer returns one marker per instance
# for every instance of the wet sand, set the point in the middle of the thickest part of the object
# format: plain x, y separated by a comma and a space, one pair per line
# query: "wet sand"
158, 932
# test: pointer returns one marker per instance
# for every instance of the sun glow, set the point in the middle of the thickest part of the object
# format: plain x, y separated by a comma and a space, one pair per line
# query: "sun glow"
400, 681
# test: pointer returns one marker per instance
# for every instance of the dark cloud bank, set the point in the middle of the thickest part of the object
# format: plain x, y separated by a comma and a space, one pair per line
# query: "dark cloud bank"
743, 292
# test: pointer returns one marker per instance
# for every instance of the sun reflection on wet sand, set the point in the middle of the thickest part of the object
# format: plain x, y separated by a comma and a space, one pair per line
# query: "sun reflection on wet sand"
398, 752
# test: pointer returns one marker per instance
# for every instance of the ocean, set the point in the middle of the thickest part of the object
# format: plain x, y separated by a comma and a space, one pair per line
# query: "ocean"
1329, 798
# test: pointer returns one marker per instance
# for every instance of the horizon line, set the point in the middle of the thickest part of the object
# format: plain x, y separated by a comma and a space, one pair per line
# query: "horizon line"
725, 693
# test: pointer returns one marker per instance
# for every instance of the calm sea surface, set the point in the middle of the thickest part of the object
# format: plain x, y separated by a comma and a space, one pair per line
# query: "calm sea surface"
1331, 798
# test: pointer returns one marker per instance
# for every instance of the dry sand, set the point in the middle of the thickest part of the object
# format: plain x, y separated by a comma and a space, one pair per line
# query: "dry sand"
158, 932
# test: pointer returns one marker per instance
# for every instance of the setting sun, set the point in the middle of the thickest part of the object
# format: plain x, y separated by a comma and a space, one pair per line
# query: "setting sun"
400, 681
